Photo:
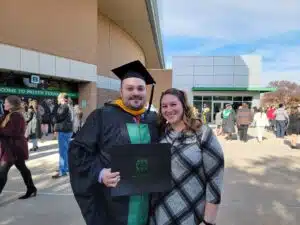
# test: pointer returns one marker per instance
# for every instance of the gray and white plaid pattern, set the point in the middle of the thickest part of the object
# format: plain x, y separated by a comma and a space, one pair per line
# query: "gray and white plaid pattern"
197, 173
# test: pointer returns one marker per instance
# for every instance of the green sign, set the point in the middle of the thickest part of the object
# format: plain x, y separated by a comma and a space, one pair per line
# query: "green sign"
35, 79
33, 92
141, 166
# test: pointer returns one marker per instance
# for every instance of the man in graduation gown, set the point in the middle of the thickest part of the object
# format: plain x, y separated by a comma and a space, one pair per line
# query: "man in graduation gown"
123, 121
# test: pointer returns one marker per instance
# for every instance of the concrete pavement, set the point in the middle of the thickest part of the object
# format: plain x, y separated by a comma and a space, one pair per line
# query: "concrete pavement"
262, 183
54, 203
262, 186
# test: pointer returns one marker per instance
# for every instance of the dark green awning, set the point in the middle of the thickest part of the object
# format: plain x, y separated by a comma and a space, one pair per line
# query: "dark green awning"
33, 92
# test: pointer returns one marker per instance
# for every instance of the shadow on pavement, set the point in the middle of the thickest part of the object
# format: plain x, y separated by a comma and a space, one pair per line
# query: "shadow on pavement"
40, 153
266, 191
42, 168
7, 201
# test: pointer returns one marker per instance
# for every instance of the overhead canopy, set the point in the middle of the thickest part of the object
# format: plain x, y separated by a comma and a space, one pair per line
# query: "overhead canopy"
251, 89
139, 18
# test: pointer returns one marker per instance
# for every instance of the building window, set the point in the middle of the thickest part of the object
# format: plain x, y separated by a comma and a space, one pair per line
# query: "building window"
215, 103
236, 105
207, 98
222, 98
198, 105
197, 98
249, 104
247, 99
238, 99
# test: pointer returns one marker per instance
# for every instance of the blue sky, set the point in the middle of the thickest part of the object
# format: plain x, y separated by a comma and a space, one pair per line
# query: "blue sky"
216, 27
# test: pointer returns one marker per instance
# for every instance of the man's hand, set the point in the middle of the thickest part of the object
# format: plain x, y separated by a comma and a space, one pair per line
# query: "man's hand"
110, 179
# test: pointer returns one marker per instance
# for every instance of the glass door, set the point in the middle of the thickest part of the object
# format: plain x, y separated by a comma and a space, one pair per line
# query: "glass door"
217, 106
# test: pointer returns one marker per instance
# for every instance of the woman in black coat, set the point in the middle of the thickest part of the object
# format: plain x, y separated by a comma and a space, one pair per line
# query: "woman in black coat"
294, 126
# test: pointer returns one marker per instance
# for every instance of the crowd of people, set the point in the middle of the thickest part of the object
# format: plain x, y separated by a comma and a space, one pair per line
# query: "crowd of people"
23, 122
197, 164
283, 122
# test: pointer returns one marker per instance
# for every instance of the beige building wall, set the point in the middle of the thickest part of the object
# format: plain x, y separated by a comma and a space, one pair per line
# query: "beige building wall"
65, 28
73, 29
163, 80
105, 95
88, 94
115, 47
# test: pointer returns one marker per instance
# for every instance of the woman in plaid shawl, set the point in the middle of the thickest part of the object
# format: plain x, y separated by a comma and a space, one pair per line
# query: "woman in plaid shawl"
197, 166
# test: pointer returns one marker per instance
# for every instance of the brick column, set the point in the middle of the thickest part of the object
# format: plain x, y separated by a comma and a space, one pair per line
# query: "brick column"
88, 94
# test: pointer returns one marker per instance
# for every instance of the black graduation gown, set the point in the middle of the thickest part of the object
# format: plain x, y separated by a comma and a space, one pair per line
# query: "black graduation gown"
104, 127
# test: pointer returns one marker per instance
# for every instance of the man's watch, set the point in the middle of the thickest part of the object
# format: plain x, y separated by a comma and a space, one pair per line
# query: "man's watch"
207, 223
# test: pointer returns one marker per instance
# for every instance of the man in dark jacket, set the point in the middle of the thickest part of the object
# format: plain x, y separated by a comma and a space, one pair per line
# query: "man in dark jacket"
64, 126
120, 122
243, 120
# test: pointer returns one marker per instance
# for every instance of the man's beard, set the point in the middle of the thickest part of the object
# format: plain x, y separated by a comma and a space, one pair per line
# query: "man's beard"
133, 106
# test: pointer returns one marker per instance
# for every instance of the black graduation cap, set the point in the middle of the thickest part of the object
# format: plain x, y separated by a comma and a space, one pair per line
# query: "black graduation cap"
136, 69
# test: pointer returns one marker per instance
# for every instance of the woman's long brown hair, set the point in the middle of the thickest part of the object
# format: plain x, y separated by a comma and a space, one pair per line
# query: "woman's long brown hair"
15, 102
190, 117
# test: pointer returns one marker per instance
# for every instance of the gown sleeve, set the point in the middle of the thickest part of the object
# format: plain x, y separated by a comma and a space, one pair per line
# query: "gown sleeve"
85, 164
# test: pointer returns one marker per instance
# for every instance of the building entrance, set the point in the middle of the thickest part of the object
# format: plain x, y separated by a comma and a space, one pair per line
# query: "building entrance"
216, 102
217, 106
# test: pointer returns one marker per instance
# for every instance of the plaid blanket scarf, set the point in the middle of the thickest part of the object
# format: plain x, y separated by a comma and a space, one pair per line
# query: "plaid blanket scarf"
197, 178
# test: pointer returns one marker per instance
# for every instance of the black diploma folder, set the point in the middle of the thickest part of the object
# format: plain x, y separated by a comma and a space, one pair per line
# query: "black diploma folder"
144, 168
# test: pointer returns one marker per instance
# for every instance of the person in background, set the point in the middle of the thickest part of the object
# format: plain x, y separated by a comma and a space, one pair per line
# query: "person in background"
27, 116
294, 126
152, 107
53, 114
282, 119
238, 134
243, 120
219, 122
288, 110
45, 115
33, 130
78, 119
254, 110
205, 114
14, 147
1, 108
229, 118
261, 122
64, 127
271, 117
25, 108
197, 166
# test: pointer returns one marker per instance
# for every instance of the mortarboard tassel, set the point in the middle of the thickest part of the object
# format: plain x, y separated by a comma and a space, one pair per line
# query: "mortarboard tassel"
151, 97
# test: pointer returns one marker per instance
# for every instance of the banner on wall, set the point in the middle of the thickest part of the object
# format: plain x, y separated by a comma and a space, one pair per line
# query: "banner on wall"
33, 92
